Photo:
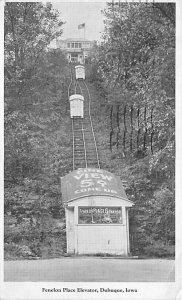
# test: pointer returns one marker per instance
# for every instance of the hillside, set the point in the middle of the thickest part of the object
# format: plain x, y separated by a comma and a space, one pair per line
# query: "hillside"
34, 215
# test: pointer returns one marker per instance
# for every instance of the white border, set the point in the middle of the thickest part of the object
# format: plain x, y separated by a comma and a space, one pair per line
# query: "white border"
146, 291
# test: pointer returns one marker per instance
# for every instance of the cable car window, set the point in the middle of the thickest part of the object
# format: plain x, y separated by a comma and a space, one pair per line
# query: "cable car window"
99, 215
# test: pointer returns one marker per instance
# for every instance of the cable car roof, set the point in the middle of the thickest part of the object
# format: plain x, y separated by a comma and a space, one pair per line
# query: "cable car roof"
76, 96
79, 66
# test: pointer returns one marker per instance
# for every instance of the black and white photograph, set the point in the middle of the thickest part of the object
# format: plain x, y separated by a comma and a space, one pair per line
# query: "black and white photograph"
91, 160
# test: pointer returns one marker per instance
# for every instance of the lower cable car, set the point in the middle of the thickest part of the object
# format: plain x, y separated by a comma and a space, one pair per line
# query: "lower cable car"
76, 105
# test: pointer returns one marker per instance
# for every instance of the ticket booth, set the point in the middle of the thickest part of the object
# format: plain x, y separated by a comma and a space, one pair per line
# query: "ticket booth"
96, 209
76, 105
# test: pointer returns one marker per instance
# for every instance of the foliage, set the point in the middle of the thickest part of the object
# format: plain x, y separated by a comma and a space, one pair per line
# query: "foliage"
135, 68
36, 120
28, 30
159, 250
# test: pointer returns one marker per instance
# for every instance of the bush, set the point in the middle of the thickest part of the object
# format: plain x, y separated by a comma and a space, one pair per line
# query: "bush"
160, 250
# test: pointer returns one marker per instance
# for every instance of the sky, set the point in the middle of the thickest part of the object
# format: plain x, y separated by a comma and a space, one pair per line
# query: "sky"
75, 13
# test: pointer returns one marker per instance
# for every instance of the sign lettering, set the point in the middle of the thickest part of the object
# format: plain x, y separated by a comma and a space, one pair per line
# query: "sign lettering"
100, 215
86, 182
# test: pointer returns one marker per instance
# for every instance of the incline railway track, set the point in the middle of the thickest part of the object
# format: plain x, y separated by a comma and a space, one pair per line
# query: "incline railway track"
85, 154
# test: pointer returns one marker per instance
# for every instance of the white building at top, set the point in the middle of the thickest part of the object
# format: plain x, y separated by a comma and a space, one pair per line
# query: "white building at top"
77, 49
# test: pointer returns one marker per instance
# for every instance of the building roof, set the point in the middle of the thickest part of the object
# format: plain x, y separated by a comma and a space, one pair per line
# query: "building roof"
88, 182
76, 40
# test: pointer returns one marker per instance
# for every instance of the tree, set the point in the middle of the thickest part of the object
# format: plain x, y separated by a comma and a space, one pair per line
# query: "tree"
136, 66
28, 30
36, 146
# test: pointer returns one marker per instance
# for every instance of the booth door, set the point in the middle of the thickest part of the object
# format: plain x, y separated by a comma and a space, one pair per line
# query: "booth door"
95, 239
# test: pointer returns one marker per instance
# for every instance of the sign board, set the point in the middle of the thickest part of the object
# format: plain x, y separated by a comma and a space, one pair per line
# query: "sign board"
86, 182
99, 215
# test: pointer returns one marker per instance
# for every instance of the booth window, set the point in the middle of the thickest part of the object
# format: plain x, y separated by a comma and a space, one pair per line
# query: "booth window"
99, 215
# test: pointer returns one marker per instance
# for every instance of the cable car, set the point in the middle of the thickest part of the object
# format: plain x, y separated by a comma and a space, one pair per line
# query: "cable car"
80, 72
76, 105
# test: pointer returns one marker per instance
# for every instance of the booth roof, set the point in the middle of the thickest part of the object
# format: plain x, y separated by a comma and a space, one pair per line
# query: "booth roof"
89, 182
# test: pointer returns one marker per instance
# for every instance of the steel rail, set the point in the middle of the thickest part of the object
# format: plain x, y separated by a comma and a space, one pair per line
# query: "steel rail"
85, 151
74, 144
69, 87
74, 85
92, 126
73, 137
89, 112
